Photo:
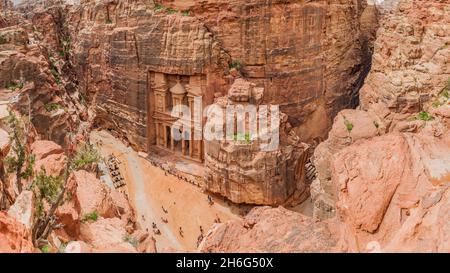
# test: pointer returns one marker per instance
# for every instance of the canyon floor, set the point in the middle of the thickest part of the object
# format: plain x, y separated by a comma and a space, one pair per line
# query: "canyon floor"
149, 190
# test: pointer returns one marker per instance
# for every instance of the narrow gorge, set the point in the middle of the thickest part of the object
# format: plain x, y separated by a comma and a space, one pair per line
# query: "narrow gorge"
250, 126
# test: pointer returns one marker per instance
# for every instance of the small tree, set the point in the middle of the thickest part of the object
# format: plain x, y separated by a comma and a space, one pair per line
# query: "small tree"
53, 189
21, 161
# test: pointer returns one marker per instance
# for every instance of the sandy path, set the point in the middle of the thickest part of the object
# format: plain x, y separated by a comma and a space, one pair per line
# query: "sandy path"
150, 189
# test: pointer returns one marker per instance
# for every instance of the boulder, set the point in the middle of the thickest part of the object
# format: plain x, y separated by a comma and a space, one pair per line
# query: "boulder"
107, 235
267, 229
49, 157
43, 148
23, 208
85, 195
392, 189
93, 195
14, 236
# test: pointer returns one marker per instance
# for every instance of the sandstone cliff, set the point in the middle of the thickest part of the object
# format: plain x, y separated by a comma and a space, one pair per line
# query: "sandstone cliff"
383, 173
407, 85
307, 55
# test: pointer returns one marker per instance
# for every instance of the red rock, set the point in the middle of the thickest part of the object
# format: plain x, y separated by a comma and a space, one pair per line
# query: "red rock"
14, 237
349, 126
93, 195
308, 64
23, 208
86, 194
106, 235
5, 143
390, 188
49, 156
43, 148
267, 229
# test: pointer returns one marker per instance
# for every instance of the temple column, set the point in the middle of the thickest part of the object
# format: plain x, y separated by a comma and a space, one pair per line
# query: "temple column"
172, 146
157, 133
165, 136
199, 149
183, 146
191, 145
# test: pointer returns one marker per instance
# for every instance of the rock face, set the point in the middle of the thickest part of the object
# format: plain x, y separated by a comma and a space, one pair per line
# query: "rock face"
394, 190
14, 237
256, 233
107, 235
23, 209
88, 195
30, 82
307, 55
410, 74
50, 157
241, 167
410, 63
348, 127
384, 170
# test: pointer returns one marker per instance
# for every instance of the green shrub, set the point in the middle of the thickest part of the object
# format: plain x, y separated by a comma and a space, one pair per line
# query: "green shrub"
85, 155
2, 40
14, 86
236, 64
246, 138
108, 21
20, 158
28, 172
48, 186
130, 239
446, 93
92, 216
159, 8
185, 13
55, 71
45, 249
171, 11
52, 106
425, 116
348, 125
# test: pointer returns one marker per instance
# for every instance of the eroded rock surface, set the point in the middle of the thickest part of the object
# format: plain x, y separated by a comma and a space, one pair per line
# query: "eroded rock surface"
267, 229
307, 55
14, 237
406, 90
394, 190
245, 168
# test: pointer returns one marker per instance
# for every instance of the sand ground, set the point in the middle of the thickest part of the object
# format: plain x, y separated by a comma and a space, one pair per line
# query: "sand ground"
150, 189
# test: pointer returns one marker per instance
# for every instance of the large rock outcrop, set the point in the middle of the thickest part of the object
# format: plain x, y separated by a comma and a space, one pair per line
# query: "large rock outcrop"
406, 89
240, 167
410, 63
307, 55
87, 195
267, 229
31, 83
394, 190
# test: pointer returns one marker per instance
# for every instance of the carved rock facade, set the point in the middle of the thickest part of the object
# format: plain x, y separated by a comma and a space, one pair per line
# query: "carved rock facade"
244, 167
